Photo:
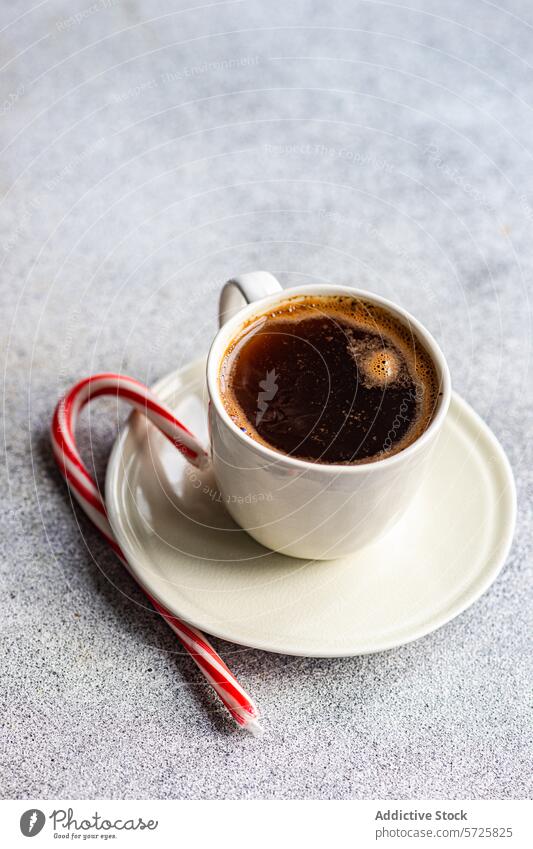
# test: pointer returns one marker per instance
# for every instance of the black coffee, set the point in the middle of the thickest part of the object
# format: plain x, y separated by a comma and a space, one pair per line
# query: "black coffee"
331, 380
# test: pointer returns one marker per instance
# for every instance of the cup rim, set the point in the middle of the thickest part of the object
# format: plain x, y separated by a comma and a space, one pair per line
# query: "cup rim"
230, 328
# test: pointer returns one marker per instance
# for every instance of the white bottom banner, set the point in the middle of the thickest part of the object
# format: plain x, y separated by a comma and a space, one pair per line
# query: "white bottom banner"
257, 824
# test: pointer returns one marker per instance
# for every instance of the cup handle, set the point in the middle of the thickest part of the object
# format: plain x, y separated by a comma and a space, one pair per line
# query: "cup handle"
244, 289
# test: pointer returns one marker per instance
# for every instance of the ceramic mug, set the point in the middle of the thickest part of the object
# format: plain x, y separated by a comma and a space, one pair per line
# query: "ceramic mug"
304, 509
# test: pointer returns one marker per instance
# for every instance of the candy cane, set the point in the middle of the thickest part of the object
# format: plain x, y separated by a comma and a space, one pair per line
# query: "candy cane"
87, 494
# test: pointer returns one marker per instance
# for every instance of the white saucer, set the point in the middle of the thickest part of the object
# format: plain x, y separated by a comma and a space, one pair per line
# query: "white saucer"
189, 554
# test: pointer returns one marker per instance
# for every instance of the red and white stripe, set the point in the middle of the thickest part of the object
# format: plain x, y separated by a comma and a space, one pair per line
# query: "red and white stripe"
84, 489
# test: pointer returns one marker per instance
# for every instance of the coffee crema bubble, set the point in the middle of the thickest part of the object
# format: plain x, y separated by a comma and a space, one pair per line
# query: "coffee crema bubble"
380, 366
330, 379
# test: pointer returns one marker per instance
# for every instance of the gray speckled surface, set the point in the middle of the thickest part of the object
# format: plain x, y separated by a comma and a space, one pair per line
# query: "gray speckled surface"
149, 151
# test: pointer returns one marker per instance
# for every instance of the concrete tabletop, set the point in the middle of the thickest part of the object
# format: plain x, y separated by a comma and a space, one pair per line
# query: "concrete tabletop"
149, 151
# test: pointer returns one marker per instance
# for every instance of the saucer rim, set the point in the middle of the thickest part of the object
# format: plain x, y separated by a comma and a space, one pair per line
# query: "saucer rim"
476, 589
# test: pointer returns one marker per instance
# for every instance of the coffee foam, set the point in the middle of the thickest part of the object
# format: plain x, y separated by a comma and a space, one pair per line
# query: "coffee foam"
382, 367
394, 356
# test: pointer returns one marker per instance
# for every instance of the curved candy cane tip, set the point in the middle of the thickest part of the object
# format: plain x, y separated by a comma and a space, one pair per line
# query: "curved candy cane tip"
203, 461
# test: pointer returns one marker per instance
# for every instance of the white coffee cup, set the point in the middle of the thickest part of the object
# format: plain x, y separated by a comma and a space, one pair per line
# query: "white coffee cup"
304, 509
